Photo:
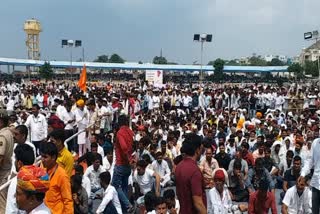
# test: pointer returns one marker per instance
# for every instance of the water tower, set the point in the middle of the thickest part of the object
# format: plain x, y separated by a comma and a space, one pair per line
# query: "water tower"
32, 28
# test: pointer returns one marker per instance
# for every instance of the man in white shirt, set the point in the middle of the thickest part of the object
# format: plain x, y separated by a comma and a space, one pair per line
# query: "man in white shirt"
40, 98
156, 101
24, 155
10, 105
38, 127
314, 162
297, 199
279, 101
109, 161
20, 134
110, 202
60, 108
161, 167
143, 179
219, 200
186, 100
102, 113
69, 118
93, 172
85, 180
82, 121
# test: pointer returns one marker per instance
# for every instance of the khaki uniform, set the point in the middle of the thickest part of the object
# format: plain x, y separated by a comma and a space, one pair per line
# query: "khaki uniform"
6, 151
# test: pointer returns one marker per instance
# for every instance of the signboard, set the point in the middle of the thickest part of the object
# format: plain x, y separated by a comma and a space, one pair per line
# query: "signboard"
154, 76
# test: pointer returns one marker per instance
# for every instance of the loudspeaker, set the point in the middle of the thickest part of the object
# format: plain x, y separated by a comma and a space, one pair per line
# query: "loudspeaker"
209, 38
64, 42
196, 37
78, 43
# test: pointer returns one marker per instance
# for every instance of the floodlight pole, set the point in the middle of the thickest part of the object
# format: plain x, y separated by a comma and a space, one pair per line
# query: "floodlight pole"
71, 61
201, 71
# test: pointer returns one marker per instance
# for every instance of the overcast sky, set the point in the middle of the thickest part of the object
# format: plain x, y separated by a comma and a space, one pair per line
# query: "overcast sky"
138, 29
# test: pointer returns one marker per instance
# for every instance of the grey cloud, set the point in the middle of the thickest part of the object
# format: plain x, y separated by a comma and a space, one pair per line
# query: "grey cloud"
138, 29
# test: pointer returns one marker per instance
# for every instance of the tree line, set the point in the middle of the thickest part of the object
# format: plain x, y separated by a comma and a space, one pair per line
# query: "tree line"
297, 69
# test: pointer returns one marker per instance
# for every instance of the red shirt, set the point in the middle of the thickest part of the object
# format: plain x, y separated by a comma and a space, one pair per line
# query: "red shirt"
249, 158
115, 104
45, 100
123, 145
189, 182
270, 202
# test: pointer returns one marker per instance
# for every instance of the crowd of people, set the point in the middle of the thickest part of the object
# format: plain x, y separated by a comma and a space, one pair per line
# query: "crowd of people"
136, 148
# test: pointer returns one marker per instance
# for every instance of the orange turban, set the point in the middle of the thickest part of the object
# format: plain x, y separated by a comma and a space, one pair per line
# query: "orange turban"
259, 115
32, 178
80, 103
240, 123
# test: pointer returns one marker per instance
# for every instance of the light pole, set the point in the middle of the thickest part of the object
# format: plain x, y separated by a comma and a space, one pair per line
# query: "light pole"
70, 44
314, 35
202, 38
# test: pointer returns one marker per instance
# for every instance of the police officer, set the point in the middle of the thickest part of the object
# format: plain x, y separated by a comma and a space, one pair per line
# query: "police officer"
6, 151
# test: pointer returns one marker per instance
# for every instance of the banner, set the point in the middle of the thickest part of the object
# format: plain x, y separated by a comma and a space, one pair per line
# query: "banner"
154, 76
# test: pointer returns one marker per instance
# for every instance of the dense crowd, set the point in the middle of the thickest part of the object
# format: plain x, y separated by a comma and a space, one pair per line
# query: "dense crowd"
201, 148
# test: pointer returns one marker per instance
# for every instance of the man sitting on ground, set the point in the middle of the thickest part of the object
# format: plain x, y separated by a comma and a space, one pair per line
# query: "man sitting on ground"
110, 202
145, 180
161, 167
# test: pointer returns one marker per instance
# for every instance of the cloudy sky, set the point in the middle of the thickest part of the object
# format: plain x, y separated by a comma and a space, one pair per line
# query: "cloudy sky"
138, 29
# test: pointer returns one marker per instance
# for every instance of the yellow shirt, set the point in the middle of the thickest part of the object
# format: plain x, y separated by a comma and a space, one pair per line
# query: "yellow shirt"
66, 161
59, 197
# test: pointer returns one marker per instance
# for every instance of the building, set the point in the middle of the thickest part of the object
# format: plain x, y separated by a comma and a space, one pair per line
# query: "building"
311, 53
282, 58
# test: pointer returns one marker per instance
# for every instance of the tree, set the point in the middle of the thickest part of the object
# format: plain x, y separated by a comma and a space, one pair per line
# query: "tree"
296, 69
257, 61
218, 69
46, 71
311, 68
115, 58
276, 62
102, 58
211, 63
160, 60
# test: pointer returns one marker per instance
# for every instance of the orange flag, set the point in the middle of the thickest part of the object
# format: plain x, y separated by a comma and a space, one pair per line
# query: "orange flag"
83, 79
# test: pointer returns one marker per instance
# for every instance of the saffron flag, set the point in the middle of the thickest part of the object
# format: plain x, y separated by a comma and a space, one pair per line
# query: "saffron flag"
82, 83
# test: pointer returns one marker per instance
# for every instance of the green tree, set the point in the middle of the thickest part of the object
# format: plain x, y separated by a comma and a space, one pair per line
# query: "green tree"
102, 58
276, 62
160, 60
115, 58
257, 61
218, 69
311, 68
46, 71
296, 69
211, 63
